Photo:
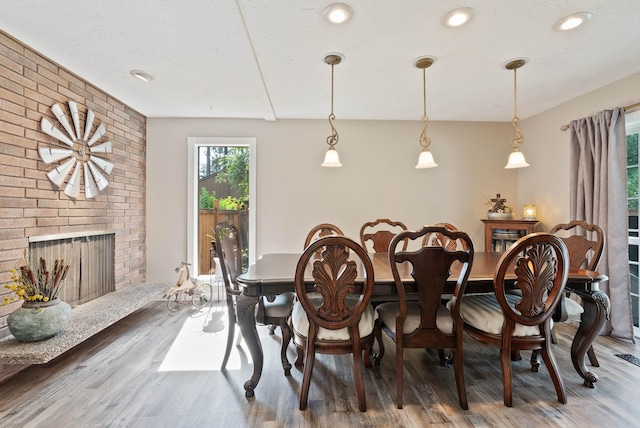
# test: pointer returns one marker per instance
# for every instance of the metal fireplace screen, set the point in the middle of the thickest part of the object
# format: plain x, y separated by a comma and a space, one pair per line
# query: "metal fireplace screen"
90, 256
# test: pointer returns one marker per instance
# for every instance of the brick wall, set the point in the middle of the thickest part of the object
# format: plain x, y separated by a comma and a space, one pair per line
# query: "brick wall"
30, 204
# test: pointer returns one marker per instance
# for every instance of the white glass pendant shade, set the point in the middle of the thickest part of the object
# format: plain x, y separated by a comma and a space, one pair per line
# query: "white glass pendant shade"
426, 160
331, 159
516, 160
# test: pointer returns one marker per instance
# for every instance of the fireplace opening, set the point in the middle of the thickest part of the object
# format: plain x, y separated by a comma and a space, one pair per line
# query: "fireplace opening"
91, 259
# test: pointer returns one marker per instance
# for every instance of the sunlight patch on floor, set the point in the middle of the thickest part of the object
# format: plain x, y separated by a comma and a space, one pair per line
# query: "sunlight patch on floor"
201, 343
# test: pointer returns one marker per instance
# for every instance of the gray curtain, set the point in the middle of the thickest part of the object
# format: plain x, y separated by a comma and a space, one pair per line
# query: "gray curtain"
598, 193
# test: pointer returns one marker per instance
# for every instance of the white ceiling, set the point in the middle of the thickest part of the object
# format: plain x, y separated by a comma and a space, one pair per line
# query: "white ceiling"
264, 59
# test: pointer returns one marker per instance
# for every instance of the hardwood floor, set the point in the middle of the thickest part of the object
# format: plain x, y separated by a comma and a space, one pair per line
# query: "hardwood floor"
161, 369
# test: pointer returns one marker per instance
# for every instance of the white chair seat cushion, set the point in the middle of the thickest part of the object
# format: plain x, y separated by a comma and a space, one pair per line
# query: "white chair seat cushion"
280, 307
483, 312
574, 310
388, 313
300, 321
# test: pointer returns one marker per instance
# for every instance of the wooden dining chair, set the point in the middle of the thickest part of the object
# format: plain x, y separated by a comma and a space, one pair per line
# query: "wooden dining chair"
585, 243
319, 231
380, 232
274, 310
425, 322
435, 239
333, 315
539, 262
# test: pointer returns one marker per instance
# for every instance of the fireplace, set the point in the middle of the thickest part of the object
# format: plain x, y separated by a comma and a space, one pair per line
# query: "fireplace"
90, 256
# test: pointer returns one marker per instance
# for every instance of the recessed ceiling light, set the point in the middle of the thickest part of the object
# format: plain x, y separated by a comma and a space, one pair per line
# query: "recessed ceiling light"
572, 21
458, 17
338, 13
144, 76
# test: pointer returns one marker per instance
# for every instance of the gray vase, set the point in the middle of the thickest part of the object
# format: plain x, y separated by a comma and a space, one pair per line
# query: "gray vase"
39, 321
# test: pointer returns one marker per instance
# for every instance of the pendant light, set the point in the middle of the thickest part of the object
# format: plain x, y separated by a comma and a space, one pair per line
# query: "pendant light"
331, 158
516, 158
426, 158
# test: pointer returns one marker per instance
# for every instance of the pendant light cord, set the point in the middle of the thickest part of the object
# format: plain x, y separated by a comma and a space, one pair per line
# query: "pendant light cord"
519, 139
332, 139
424, 140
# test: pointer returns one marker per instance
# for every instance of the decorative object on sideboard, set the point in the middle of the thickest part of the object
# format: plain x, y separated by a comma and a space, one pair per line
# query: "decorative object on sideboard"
42, 315
498, 209
529, 212
81, 156
426, 158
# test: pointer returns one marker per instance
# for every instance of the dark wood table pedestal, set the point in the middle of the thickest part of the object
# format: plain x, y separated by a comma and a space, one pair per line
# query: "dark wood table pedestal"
246, 306
597, 309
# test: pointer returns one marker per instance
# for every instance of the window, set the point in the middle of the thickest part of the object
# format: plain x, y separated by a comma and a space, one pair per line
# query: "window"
194, 192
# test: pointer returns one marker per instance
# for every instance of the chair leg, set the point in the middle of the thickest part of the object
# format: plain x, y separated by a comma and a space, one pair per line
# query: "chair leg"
286, 338
505, 365
300, 358
458, 369
550, 362
377, 331
399, 361
272, 329
444, 359
367, 355
306, 377
535, 360
359, 377
230, 338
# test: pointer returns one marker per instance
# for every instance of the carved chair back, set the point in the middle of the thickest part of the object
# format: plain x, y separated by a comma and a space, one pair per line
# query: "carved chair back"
334, 276
540, 262
380, 232
320, 231
584, 251
230, 254
439, 240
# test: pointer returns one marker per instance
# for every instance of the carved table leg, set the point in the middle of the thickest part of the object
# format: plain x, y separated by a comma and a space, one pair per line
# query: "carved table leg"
247, 322
596, 312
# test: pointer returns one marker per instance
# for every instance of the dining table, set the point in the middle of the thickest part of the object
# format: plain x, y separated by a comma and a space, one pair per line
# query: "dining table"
273, 274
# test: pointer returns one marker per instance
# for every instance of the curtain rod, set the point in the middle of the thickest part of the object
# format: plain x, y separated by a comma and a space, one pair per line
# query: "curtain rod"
565, 127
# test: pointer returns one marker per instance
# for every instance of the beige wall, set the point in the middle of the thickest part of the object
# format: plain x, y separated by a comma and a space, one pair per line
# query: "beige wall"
294, 193
377, 179
546, 182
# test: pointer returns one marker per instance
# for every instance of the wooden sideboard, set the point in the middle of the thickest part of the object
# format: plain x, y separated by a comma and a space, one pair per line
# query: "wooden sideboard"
523, 226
